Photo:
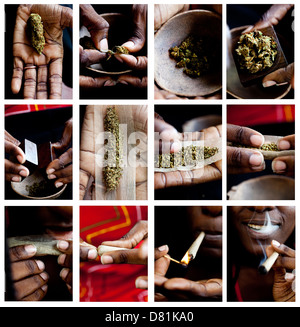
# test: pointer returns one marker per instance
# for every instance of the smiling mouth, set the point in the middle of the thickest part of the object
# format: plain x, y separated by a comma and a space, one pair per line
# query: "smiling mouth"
263, 229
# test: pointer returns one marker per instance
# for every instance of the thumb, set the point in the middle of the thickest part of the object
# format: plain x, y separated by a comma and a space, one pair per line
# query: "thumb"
138, 38
280, 77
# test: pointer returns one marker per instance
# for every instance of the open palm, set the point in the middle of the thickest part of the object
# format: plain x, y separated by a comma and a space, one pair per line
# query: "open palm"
41, 74
88, 155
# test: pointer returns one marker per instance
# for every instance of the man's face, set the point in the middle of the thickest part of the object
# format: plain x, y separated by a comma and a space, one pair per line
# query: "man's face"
258, 226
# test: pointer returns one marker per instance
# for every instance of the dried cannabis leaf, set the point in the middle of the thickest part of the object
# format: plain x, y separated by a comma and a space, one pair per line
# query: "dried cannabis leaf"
112, 172
256, 51
36, 31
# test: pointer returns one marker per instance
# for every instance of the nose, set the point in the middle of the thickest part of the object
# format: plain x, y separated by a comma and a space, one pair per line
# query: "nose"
261, 208
212, 210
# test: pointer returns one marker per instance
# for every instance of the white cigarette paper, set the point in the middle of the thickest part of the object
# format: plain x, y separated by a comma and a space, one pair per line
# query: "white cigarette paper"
196, 245
102, 249
267, 265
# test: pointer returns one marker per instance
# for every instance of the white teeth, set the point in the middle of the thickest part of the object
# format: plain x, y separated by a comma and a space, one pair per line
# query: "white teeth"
256, 227
264, 229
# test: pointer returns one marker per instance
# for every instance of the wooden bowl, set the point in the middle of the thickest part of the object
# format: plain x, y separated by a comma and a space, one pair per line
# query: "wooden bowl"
200, 23
270, 187
247, 78
254, 91
22, 187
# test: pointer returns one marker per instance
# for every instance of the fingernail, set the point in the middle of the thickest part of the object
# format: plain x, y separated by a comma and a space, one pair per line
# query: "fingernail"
129, 45
30, 249
16, 179
51, 176
64, 273
106, 259
24, 173
109, 83
284, 145
278, 166
289, 277
163, 248
44, 275
92, 254
103, 45
175, 147
59, 184
257, 140
141, 283
275, 243
50, 171
256, 160
44, 288
21, 159
61, 259
40, 264
62, 245
269, 83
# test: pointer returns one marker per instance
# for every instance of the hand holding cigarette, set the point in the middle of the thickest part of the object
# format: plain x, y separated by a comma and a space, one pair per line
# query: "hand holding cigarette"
282, 259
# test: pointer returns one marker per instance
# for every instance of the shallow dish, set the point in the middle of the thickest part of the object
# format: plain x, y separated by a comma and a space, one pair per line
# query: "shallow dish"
200, 23
22, 187
270, 187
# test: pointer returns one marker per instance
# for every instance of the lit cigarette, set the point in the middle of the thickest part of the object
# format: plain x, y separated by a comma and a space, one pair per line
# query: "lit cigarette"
267, 265
102, 249
192, 251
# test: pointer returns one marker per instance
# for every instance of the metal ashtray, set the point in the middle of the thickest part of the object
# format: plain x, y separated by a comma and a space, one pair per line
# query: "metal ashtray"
202, 24
120, 30
48, 190
270, 187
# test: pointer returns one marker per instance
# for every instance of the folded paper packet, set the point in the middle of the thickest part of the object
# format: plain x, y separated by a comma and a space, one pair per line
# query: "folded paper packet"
217, 143
269, 155
44, 244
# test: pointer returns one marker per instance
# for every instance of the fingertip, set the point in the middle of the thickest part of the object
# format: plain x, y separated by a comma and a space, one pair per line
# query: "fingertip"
21, 158
267, 84
141, 283
15, 86
92, 254
106, 259
59, 184
103, 45
129, 45
257, 140
30, 249
284, 145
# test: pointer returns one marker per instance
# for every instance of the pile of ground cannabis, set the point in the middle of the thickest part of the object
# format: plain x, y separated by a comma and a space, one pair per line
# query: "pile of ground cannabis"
41, 189
188, 156
112, 172
256, 51
36, 32
194, 55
